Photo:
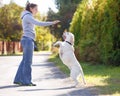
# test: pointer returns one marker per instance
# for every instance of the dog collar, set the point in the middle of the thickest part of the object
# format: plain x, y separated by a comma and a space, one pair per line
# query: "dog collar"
68, 42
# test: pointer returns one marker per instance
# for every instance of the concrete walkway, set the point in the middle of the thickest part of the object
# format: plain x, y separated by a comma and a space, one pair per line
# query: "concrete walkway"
49, 79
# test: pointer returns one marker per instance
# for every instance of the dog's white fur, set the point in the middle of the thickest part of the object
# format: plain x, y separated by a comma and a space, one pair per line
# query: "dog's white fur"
66, 53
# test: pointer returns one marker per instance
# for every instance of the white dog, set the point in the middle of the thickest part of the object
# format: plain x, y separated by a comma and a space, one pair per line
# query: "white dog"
66, 53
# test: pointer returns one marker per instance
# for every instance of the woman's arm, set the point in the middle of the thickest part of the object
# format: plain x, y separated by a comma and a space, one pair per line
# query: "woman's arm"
39, 23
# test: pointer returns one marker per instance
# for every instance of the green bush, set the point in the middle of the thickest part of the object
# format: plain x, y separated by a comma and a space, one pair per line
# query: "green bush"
96, 26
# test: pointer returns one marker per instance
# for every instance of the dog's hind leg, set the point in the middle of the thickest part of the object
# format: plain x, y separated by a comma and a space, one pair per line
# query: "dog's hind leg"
82, 75
74, 75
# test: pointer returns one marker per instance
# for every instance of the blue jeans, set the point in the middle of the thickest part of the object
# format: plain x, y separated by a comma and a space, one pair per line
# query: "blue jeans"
23, 74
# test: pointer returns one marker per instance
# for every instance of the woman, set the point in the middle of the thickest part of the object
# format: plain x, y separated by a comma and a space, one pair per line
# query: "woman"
23, 76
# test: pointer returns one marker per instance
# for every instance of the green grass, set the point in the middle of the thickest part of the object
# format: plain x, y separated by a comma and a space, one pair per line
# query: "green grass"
101, 79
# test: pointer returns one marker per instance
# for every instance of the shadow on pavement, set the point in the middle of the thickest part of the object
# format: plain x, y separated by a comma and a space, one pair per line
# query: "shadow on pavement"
82, 92
73, 92
42, 54
9, 86
61, 88
54, 73
47, 64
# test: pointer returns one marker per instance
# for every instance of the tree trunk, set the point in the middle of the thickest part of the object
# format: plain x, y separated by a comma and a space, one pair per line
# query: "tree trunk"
13, 47
2, 47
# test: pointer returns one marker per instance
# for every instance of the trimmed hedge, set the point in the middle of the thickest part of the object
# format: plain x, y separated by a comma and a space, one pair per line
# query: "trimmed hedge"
96, 26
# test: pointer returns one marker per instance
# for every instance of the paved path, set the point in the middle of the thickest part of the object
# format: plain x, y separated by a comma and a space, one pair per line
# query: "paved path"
49, 79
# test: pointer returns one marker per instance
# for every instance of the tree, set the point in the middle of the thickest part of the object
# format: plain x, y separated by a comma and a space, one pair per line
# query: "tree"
96, 25
64, 14
10, 23
43, 35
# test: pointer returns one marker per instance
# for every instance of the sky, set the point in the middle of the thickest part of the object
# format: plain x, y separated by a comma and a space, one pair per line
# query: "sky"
43, 5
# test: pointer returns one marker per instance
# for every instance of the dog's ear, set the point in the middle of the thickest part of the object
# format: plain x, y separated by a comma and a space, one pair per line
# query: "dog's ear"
72, 39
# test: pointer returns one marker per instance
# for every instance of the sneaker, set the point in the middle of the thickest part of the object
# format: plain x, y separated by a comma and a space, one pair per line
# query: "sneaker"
19, 83
31, 84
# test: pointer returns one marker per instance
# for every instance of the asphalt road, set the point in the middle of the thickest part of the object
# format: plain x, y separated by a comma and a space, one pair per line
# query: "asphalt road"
49, 79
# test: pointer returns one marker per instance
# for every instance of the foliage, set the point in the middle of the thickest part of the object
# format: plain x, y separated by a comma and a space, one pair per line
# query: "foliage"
10, 24
54, 29
43, 38
96, 26
64, 14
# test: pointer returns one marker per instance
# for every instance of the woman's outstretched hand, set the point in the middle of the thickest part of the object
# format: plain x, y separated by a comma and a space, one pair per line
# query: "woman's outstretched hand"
56, 21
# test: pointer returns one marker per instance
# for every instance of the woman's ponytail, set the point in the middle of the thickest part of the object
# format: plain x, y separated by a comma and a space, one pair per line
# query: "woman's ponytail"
30, 5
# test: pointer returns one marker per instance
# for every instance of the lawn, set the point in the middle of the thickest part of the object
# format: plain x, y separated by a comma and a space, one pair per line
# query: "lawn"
101, 79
